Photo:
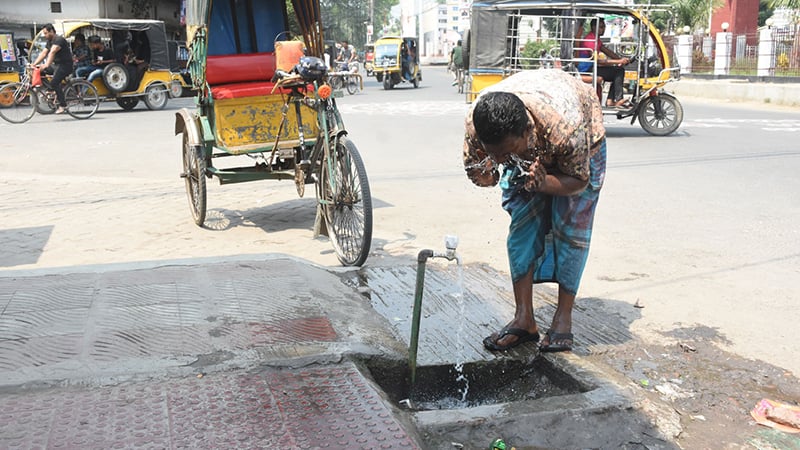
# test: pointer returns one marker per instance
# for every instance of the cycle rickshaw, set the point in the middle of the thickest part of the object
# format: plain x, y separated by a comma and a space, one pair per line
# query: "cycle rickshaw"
269, 100
508, 36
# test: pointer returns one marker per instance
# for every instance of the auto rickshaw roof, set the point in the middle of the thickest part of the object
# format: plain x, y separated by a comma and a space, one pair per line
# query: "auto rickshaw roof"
154, 29
545, 5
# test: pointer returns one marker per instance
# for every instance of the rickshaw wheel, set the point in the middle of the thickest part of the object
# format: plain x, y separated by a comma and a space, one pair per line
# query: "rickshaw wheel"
352, 86
115, 76
127, 103
194, 174
660, 114
156, 96
379, 77
17, 105
415, 82
387, 82
346, 203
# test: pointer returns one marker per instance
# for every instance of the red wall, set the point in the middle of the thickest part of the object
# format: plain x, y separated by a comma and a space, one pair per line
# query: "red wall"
742, 15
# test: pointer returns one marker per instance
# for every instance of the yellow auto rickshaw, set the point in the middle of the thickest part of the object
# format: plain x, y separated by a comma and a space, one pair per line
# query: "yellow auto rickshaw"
9, 63
397, 61
506, 37
127, 84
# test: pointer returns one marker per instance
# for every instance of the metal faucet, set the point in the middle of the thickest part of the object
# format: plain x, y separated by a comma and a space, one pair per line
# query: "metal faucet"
450, 245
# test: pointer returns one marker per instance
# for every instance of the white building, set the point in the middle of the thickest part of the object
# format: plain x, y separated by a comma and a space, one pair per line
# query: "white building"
437, 26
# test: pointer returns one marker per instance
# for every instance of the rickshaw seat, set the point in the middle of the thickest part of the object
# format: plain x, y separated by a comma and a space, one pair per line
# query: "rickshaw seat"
240, 75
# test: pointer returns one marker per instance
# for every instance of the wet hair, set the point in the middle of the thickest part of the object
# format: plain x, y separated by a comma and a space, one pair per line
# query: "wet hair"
498, 115
94, 39
50, 28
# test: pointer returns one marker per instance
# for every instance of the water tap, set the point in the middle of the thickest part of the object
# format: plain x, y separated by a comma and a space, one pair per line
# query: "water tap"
450, 245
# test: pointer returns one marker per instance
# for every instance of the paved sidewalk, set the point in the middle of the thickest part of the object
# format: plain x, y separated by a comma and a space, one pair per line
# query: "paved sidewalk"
210, 356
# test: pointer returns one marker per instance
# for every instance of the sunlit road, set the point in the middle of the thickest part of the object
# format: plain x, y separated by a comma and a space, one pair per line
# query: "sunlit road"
699, 227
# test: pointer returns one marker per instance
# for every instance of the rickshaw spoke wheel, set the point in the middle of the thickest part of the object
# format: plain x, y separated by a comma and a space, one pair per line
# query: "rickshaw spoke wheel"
347, 203
82, 99
17, 103
661, 114
194, 171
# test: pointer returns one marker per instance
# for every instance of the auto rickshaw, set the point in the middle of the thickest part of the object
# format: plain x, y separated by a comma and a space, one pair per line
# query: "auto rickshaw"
506, 37
369, 59
124, 83
265, 111
9, 63
397, 61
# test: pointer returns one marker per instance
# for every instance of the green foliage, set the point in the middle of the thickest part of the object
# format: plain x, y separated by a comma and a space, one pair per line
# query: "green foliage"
791, 4
348, 19
764, 12
534, 51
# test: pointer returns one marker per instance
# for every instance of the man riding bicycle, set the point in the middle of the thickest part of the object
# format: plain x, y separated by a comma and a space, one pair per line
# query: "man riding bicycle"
59, 56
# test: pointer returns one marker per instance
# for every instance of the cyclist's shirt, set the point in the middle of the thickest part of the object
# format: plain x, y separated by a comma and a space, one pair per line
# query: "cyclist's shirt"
64, 55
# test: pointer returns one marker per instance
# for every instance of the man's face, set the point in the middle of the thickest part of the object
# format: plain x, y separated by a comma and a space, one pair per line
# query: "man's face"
49, 35
511, 144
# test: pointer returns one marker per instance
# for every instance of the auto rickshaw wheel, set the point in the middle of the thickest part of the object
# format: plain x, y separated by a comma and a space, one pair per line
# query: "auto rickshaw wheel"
415, 82
660, 114
346, 203
127, 103
156, 96
175, 89
379, 76
115, 76
387, 82
194, 175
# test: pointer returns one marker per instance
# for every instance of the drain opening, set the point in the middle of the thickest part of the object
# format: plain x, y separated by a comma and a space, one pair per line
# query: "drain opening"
477, 383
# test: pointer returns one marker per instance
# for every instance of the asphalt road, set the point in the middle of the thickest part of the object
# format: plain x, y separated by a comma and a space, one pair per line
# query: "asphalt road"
698, 227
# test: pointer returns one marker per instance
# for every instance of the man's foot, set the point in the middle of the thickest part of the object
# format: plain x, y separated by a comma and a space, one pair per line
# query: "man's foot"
556, 342
493, 342
60, 110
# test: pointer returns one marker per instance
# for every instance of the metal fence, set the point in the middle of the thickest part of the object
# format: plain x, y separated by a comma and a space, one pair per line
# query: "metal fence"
782, 54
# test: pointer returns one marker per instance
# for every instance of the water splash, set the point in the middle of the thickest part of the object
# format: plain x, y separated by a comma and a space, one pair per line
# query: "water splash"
461, 358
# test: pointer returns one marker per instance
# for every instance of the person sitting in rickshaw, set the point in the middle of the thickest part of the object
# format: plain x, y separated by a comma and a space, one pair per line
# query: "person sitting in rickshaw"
103, 56
81, 55
405, 61
611, 68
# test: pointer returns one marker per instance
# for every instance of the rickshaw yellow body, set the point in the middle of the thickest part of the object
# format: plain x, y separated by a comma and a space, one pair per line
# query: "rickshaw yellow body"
9, 77
245, 124
481, 81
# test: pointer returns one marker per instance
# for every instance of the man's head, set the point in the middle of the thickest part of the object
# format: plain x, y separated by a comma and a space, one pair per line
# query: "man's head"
599, 26
458, 44
345, 44
80, 39
49, 31
501, 123
95, 41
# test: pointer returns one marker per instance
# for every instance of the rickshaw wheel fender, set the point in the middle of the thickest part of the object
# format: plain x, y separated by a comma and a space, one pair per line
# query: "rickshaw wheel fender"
185, 122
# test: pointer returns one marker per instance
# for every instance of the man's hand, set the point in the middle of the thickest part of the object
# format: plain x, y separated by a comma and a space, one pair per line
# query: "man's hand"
536, 176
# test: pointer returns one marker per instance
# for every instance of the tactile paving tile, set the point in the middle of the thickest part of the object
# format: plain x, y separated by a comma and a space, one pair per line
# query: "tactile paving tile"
335, 407
310, 408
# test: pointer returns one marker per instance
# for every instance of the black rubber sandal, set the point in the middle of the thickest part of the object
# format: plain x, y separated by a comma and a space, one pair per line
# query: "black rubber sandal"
521, 334
552, 336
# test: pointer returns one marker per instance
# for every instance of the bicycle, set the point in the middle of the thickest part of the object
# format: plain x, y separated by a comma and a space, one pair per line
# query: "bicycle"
20, 101
345, 77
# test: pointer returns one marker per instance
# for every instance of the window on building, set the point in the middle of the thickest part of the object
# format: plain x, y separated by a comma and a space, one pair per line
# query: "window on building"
55, 7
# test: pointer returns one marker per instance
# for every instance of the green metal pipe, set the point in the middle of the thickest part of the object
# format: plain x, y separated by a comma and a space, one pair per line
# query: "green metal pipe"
414, 343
